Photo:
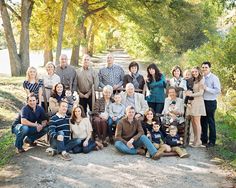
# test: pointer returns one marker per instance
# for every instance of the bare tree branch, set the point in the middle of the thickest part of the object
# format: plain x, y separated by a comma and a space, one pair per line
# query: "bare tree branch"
13, 11
95, 10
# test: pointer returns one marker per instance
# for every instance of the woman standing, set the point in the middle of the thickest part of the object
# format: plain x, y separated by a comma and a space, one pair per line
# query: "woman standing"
101, 114
156, 84
178, 81
81, 128
197, 107
134, 77
33, 84
49, 80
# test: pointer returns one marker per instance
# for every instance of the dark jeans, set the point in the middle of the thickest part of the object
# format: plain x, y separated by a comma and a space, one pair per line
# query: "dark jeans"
86, 102
22, 131
157, 107
65, 145
209, 120
80, 148
112, 125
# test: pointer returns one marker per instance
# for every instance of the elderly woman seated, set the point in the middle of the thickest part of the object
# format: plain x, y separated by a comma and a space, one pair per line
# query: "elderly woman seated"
137, 100
173, 109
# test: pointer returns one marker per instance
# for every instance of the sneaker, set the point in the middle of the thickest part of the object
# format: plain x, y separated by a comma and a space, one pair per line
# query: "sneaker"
148, 155
111, 140
51, 152
140, 151
65, 156
157, 156
20, 150
185, 155
31, 144
210, 145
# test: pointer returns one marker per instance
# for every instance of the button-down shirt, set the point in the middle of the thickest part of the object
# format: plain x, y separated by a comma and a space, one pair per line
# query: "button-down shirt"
111, 76
212, 89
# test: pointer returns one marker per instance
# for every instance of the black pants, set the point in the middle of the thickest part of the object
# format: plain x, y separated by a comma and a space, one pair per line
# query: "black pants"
85, 103
209, 120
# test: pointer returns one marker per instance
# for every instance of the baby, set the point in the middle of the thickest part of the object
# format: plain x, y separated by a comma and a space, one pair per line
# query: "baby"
70, 99
174, 141
189, 81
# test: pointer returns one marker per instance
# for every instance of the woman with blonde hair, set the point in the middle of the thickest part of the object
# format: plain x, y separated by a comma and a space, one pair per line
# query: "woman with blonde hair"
33, 84
197, 107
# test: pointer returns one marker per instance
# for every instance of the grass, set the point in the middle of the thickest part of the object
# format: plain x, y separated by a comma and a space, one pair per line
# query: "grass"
12, 96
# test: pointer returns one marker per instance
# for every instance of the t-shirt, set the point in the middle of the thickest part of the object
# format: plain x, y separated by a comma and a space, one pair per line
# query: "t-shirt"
37, 116
81, 130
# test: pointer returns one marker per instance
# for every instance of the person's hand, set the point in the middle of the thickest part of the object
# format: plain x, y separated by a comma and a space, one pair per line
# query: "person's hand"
130, 143
81, 95
148, 135
188, 93
60, 138
85, 143
137, 116
39, 127
86, 96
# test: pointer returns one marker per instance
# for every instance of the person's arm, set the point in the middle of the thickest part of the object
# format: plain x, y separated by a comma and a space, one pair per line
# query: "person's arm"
216, 86
139, 130
125, 80
28, 123
53, 105
74, 81
166, 105
183, 84
122, 112
118, 133
95, 80
52, 129
200, 91
40, 94
101, 84
25, 88
110, 111
142, 82
122, 74
144, 104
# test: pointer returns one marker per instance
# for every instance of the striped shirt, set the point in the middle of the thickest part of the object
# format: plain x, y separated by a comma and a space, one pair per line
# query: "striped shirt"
111, 76
33, 87
59, 123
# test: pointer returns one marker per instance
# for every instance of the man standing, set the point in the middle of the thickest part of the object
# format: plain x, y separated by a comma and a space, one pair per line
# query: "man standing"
211, 91
112, 75
86, 78
130, 137
30, 124
59, 132
67, 73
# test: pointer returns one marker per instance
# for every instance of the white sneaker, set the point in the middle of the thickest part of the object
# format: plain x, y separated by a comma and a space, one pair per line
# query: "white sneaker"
51, 151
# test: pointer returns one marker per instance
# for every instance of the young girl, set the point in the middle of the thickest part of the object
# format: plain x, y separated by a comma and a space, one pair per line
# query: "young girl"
33, 84
81, 128
156, 84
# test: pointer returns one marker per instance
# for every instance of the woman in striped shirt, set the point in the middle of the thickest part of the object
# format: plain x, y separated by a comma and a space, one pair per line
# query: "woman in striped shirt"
33, 84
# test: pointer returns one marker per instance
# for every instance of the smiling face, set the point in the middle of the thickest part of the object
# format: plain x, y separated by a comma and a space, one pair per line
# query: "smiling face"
59, 88
152, 71
50, 69
172, 94
195, 73
63, 108
176, 73
86, 61
173, 132
117, 99
32, 73
32, 101
130, 113
155, 127
63, 61
206, 69
110, 60
149, 115
77, 112
134, 69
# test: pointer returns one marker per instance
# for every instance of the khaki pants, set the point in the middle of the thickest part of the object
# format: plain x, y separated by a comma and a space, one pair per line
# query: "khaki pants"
179, 151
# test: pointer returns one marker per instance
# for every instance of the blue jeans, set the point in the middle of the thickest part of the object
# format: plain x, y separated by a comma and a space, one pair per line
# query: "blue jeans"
143, 140
110, 123
65, 145
80, 148
21, 131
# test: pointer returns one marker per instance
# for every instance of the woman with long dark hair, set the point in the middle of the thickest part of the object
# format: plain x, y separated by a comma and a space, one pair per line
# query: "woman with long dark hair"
156, 84
81, 128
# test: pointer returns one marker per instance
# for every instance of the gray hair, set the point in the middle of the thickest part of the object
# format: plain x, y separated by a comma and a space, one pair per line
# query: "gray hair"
107, 88
129, 85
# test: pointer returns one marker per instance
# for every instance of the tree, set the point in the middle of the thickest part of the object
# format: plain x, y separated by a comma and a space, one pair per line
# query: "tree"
19, 62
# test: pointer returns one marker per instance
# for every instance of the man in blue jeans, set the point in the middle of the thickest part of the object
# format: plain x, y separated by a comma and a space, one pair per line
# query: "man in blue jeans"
59, 132
130, 137
30, 125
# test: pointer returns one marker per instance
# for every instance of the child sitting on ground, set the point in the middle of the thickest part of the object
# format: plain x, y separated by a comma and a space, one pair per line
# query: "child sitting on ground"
157, 139
174, 141
116, 111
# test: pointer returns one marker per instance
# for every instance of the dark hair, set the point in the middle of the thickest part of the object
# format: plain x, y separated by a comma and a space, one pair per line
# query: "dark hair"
154, 115
62, 101
200, 76
31, 95
73, 116
134, 64
54, 91
157, 72
175, 68
169, 88
207, 63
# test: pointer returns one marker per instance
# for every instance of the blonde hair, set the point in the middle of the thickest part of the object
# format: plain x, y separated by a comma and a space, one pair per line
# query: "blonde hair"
36, 76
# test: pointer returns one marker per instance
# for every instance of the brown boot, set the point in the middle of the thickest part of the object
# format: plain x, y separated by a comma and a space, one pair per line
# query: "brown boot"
140, 151
159, 153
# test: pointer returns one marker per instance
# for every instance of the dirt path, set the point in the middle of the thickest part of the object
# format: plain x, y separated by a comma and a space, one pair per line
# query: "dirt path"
108, 168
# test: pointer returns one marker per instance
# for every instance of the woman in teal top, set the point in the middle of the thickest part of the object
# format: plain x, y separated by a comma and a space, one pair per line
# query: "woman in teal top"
156, 84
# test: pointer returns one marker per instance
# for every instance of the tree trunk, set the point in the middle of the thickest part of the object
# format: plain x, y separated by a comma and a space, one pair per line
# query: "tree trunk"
15, 61
91, 45
74, 61
47, 55
26, 11
61, 29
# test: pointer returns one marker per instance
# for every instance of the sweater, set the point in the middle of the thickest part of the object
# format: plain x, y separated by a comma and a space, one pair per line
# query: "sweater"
172, 141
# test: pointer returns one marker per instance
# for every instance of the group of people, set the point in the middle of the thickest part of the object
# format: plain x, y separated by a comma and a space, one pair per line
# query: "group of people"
124, 114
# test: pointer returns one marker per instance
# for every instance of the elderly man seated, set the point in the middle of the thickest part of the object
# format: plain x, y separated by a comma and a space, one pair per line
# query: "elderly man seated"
130, 137
137, 100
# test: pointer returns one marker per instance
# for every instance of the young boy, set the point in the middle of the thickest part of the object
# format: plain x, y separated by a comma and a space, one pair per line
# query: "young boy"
174, 141
70, 99
157, 139
116, 111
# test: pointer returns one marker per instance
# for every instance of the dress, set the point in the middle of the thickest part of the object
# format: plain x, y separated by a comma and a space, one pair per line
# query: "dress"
197, 108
